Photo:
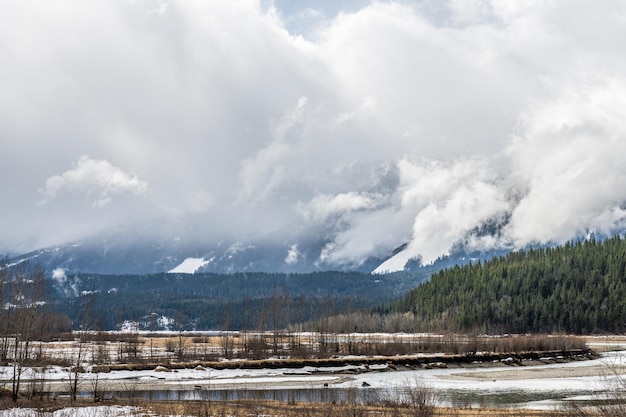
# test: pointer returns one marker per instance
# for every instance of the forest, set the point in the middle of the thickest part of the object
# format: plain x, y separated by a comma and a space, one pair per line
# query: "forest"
578, 288
209, 301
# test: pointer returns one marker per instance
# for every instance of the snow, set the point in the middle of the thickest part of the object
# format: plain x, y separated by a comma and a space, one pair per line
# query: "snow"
166, 323
189, 266
544, 385
129, 326
394, 264
293, 255
104, 411
59, 274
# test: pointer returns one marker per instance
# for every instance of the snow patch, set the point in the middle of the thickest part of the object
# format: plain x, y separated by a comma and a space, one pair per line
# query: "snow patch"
59, 275
112, 411
166, 323
189, 266
395, 263
129, 326
292, 255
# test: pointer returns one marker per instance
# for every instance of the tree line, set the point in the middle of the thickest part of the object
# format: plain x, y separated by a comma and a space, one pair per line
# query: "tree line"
25, 319
211, 301
579, 288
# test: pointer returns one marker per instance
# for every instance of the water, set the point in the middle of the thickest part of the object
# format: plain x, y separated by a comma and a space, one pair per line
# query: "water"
456, 398
451, 387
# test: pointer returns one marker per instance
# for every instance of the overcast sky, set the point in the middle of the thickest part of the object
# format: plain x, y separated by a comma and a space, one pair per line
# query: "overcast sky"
370, 123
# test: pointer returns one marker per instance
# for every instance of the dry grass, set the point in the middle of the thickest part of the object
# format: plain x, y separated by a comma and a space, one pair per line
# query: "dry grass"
277, 409
258, 408
398, 361
111, 348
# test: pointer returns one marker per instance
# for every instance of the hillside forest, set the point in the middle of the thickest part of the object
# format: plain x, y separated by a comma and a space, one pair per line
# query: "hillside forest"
577, 288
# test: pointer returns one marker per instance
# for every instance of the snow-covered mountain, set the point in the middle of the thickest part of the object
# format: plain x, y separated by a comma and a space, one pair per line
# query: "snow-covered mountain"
117, 255
123, 255
130, 252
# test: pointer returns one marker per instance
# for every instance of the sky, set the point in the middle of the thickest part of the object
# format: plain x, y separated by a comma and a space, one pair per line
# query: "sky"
367, 124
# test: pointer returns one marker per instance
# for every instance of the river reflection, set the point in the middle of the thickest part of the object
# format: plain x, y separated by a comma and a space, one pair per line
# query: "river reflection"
456, 398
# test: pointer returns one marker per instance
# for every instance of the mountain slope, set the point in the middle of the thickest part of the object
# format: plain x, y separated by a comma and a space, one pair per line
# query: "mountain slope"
208, 301
579, 288
126, 255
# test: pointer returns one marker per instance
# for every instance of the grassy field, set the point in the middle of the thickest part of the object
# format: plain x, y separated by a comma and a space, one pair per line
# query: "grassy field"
255, 409
185, 351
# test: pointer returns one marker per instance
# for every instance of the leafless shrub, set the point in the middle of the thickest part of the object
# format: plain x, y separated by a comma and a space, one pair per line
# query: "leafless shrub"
198, 409
170, 345
413, 399
610, 403
258, 348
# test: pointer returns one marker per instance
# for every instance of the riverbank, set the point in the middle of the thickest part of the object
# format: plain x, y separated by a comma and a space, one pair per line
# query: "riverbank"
248, 409
412, 361
548, 383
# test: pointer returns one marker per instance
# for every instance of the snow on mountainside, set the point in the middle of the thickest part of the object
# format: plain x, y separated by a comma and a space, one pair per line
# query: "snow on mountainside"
62, 262
118, 255
395, 263
134, 253
189, 266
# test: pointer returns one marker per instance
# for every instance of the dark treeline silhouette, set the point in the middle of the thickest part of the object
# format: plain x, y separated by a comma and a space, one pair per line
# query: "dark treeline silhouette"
25, 319
576, 288
253, 300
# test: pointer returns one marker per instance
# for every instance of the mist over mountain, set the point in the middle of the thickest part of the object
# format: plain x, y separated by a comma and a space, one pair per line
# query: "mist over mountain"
274, 134
124, 252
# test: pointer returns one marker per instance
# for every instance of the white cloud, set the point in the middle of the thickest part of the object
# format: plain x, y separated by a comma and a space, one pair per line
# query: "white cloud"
98, 180
435, 205
324, 206
58, 274
387, 123
293, 255
571, 156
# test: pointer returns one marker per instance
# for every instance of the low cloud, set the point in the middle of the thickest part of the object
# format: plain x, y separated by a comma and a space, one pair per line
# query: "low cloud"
570, 156
432, 124
293, 255
557, 179
96, 180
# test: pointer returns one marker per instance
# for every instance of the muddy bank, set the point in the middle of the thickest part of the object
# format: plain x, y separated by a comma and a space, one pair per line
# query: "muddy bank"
414, 361
536, 373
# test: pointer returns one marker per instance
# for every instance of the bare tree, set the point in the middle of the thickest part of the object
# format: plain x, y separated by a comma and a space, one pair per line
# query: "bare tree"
25, 293
181, 322
610, 403
227, 341
277, 310
76, 369
4, 311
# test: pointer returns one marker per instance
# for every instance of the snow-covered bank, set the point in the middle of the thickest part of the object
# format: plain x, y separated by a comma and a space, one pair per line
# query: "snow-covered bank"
548, 383
100, 411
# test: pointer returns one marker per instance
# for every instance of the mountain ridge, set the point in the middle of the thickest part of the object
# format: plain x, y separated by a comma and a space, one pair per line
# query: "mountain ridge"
125, 253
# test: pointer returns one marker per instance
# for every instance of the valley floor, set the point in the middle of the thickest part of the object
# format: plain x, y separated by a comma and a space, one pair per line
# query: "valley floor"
547, 384
538, 386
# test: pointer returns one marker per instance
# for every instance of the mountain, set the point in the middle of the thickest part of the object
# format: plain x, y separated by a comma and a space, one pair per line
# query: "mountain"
118, 254
579, 287
205, 301
194, 249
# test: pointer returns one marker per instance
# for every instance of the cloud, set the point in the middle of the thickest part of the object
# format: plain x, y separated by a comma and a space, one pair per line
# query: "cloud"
96, 179
293, 255
363, 126
324, 206
435, 205
571, 157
